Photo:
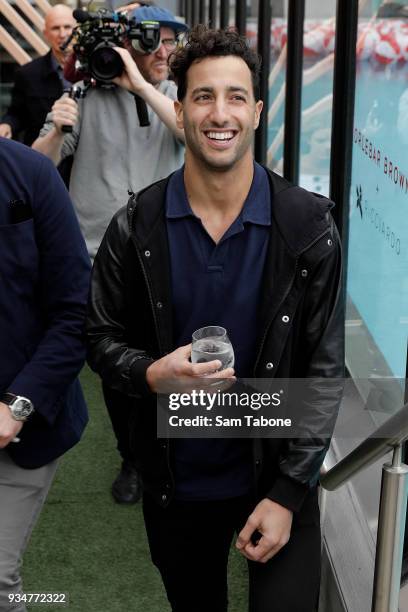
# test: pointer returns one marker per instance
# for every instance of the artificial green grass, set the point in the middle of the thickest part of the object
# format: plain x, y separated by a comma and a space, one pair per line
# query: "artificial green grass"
91, 548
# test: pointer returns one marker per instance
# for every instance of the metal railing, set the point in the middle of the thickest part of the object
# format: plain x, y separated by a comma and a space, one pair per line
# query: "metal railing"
393, 503
293, 96
264, 50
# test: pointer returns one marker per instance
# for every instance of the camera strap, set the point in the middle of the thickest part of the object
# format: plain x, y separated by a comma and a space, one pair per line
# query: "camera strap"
142, 112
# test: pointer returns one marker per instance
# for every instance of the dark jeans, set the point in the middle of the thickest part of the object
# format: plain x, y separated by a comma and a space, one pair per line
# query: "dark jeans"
190, 542
121, 414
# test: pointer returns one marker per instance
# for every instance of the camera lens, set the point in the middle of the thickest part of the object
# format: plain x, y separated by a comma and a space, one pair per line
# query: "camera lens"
105, 63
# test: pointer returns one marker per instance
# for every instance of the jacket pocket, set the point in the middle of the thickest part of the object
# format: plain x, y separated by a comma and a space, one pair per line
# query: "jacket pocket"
18, 256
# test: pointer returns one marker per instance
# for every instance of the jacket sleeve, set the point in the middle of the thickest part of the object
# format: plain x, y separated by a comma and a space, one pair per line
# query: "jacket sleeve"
71, 139
121, 366
16, 114
322, 327
60, 298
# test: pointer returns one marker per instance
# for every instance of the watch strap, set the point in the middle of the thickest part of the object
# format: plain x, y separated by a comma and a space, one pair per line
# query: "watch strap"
8, 398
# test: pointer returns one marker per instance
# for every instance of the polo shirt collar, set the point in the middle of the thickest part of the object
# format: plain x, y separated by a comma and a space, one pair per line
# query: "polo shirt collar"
178, 205
256, 209
257, 206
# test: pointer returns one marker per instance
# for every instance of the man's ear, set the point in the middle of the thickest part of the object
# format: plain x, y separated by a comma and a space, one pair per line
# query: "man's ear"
178, 109
258, 110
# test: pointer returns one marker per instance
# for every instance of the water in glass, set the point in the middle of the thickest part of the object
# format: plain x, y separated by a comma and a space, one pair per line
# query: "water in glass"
210, 343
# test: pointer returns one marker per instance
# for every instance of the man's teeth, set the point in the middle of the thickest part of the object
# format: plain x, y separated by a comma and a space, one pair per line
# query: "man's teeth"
220, 135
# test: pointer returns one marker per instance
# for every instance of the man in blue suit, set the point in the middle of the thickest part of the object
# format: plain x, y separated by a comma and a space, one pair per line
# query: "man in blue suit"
44, 276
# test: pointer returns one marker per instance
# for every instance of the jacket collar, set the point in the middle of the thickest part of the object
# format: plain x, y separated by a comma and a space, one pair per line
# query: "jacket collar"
149, 212
300, 216
48, 64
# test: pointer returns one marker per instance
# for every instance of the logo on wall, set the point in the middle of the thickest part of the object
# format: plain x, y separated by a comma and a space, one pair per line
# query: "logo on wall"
369, 214
359, 192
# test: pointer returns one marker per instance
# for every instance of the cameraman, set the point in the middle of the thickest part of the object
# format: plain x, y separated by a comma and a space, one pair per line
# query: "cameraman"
112, 154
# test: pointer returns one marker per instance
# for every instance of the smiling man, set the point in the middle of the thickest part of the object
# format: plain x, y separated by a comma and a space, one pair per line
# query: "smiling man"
222, 241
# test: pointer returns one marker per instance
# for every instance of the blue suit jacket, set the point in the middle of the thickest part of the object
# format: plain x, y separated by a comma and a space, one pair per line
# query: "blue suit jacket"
44, 278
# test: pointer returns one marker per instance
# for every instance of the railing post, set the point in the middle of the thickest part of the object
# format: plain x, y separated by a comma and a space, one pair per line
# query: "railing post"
293, 98
202, 18
344, 84
240, 16
224, 14
322, 495
390, 534
264, 50
188, 14
195, 10
212, 13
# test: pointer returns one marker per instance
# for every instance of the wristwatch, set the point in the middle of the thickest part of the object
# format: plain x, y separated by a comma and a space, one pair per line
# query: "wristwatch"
20, 407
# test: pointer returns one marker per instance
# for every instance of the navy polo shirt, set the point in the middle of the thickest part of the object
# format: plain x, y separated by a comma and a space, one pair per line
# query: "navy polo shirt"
217, 284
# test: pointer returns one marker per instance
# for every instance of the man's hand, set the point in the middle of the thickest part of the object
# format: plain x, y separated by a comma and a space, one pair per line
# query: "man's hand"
274, 523
5, 130
64, 112
9, 427
175, 372
133, 80
131, 77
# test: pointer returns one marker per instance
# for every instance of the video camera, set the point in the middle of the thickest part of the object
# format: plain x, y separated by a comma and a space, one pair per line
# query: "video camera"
96, 35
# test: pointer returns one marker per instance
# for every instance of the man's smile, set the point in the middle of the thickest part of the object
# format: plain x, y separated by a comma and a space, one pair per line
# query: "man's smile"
220, 138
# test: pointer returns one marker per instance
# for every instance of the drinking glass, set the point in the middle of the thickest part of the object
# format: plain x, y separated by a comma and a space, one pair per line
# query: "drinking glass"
211, 343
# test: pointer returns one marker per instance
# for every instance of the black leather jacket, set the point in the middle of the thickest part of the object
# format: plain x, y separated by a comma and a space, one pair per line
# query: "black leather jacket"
300, 314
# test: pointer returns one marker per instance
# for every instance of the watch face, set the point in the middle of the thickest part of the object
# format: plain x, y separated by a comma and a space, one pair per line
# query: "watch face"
21, 408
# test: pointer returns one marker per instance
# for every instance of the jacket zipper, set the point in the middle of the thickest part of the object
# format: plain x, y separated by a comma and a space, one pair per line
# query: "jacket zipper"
156, 325
270, 322
309, 246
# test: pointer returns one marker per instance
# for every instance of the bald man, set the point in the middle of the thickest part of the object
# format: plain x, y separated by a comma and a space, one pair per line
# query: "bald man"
40, 82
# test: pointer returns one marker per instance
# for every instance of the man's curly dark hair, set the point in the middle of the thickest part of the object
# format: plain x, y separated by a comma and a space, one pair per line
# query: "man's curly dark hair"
204, 42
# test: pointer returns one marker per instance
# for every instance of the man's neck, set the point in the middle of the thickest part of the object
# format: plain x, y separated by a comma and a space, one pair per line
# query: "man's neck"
223, 193
217, 198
